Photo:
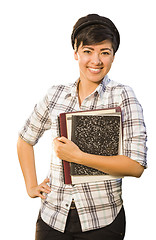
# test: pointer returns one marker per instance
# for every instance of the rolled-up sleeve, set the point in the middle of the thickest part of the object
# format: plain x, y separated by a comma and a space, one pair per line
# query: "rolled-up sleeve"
37, 123
134, 129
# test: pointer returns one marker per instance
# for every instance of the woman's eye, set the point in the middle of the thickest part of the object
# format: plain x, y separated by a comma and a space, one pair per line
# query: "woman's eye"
87, 51
105, 53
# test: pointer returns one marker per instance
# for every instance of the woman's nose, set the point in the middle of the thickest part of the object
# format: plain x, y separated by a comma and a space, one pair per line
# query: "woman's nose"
96, 59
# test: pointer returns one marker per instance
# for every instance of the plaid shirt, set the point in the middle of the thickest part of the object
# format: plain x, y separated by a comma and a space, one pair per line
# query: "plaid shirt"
97, 203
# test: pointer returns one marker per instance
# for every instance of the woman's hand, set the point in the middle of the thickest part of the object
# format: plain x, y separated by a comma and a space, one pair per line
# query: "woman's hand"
67, 150
38, 190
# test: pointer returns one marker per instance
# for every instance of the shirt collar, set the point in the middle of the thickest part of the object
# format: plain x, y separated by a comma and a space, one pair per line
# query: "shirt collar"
102, 86
100, 89
72, 92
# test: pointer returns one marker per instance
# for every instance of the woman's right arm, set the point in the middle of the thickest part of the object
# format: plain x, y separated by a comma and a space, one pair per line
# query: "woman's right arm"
27, 163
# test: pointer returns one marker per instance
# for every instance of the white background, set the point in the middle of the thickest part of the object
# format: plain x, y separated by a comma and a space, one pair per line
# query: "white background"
35, 53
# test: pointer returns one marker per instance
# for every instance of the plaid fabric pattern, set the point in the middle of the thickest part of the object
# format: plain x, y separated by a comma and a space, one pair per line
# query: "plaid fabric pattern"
97, 203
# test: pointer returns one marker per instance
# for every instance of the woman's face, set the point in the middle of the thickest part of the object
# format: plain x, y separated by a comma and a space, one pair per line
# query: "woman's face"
94, 61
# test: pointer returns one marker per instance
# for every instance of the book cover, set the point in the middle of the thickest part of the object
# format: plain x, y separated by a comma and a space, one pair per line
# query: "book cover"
99, 135
96, 132
63, 133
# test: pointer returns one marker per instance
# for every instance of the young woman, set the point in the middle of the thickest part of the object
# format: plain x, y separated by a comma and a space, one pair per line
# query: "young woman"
88, 210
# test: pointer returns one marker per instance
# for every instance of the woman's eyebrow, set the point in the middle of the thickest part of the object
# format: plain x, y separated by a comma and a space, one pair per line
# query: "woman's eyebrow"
102, 49
87, 47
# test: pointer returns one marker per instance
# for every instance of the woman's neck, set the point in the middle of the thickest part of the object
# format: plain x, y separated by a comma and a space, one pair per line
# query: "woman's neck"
84, 90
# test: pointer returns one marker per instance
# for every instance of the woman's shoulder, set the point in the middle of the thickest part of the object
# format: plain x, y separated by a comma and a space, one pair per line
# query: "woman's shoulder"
57, 90
120, 87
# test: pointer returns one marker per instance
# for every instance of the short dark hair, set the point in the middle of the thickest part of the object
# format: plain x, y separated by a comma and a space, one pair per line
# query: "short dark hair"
94, 34
93, 29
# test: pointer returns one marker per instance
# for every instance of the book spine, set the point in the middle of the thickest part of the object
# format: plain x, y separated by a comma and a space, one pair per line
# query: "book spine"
66, 165
118, 109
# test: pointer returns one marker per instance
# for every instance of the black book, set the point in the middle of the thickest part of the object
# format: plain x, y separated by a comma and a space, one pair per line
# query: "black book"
96, 132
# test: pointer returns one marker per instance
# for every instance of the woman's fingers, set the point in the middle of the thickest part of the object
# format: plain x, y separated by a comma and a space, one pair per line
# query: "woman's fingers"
46, 180
40, 190
41, 196
43, 188
44, 184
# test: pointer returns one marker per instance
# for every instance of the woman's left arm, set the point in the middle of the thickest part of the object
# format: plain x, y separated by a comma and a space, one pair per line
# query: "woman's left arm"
119, 165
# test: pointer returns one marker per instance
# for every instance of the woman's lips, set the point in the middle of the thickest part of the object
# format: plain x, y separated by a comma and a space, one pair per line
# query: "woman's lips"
94, 70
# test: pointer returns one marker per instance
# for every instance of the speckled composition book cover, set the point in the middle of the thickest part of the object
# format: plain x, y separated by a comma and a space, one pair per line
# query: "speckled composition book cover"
96, 132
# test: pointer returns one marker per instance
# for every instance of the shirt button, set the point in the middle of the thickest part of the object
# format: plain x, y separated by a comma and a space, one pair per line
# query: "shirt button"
67, 205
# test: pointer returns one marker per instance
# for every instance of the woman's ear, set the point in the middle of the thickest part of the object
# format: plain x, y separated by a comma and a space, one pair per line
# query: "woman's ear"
75, 55
75, 50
